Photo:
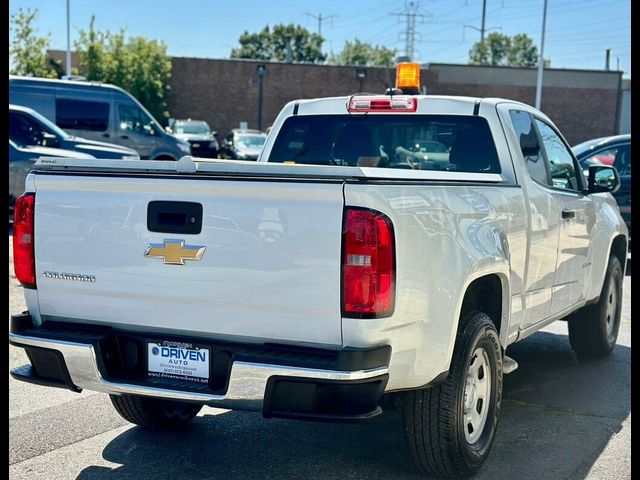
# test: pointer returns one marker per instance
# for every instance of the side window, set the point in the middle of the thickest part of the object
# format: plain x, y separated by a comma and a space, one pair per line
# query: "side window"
23, 130
82, 115
561, 164
132, 118
618, 156
623, 160
529, 145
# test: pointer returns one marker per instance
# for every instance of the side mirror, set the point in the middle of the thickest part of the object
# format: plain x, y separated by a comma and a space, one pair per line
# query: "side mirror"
603, 178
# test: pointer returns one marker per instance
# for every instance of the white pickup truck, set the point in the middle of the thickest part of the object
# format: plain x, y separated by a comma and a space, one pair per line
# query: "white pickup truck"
381, 245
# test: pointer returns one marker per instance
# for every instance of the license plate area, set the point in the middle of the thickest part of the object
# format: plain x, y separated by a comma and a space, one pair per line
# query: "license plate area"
176, 360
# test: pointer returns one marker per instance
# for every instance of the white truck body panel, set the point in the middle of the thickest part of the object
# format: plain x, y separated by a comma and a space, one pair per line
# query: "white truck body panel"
271, 270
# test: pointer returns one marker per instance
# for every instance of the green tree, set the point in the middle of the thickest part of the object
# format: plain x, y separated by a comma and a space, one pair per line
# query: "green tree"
503, 50
136, 64
271, 45
362, 53
27, 50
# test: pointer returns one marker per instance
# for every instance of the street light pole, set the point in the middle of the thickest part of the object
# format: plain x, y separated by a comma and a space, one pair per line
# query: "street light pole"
261, 71
541, 59
68, 40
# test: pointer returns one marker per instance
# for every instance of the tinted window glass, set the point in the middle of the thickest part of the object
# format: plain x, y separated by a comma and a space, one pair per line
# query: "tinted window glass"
623, 160
24, 131
561, 165
419, 142
132, 118
618, 156
82, 115
529, 145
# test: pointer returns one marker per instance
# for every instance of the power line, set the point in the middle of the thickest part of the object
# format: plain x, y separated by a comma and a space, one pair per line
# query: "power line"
411, 14
319, 17
483, 27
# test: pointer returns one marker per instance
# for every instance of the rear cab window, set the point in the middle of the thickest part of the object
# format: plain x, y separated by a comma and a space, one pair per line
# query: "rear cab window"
459, 143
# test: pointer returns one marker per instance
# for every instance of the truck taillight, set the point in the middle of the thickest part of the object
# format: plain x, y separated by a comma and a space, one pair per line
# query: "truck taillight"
24, 262
395, 104
368, 264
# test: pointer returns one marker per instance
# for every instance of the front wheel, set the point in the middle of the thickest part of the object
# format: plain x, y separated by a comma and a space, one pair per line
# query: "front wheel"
450, 427
153, 412
593, 330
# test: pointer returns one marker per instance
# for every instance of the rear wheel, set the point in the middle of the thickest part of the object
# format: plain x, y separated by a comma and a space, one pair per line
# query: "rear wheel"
154, 413
593, 330
450, 427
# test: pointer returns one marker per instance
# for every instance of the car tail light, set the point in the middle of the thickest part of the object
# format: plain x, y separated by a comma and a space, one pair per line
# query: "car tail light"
396, 103
24, 262
368, 264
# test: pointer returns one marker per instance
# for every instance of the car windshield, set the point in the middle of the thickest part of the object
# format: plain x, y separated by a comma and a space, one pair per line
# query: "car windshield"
194, 128
420, 142
250, 141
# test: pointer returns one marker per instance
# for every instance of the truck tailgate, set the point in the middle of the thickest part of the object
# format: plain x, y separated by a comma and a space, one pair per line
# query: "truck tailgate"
270, 269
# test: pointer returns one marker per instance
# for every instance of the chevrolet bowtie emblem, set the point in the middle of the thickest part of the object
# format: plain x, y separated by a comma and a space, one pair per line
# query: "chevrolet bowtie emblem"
174, 252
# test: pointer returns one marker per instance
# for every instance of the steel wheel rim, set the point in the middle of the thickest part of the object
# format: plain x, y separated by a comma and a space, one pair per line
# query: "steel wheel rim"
477, 395
611, 308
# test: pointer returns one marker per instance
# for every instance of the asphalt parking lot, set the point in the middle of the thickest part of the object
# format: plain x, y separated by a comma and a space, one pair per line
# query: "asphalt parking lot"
560, 419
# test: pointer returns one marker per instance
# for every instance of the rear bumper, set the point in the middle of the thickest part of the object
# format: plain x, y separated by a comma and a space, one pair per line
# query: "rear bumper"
278, 390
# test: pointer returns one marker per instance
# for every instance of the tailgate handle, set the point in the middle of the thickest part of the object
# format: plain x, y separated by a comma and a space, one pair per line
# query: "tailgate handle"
174, 217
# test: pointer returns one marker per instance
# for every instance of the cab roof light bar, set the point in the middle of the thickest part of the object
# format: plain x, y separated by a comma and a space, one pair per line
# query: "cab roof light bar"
395, 104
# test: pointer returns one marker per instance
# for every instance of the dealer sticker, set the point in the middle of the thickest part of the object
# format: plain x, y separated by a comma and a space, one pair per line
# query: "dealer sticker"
181, 361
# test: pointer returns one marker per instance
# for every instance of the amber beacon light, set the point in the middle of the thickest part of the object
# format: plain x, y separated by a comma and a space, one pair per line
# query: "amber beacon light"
408, 77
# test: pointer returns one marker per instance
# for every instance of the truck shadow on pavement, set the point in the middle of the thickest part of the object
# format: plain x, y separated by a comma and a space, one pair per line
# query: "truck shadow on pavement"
557, 416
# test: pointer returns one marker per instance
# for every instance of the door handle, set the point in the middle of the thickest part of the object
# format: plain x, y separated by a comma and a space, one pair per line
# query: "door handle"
124, 137
106, 135
568, 214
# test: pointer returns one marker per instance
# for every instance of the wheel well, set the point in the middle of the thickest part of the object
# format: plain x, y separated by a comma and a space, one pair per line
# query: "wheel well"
485, 294
619, 249
164, 157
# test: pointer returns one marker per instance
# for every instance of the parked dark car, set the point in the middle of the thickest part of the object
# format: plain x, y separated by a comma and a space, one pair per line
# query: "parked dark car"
198, 134
21, 160
242, 144
616, 151
27, 128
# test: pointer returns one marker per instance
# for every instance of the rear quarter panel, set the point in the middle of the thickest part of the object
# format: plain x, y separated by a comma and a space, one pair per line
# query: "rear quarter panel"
446, 236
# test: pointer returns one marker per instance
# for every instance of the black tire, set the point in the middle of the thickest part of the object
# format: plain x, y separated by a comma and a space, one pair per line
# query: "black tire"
593, 330
434, 418
154, 413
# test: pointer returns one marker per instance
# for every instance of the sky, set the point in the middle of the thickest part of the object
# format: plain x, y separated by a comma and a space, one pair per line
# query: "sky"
577, 31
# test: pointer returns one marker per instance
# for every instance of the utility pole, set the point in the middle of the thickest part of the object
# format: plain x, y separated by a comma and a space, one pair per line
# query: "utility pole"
68, 40
319, 17
484, 18
607, 59
411, 14
541, 59
261, 72
483, 27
